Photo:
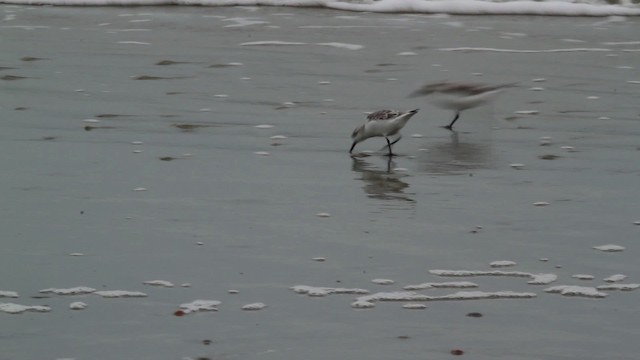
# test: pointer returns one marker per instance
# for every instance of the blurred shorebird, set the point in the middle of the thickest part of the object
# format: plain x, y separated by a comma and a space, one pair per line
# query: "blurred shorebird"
383, 123
459, 96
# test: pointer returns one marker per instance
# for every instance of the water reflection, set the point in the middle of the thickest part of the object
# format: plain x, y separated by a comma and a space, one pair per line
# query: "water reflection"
381, 183
454, 156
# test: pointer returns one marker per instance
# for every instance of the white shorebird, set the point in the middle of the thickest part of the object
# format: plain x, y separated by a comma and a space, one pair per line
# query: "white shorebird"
383, 123
459, 96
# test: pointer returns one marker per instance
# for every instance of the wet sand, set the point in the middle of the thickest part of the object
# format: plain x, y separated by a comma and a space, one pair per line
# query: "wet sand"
129, 136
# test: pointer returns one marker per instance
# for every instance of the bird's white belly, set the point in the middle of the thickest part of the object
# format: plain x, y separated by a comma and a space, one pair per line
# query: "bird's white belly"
382, 128
459, 103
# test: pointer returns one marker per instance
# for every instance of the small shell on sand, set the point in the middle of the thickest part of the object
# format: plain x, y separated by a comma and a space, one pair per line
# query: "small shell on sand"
517, 166
139, 189
263, 126
541, 203
323, 215
319, 259
262, 153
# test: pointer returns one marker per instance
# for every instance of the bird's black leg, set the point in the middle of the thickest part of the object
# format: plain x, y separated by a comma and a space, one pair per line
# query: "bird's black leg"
396, 140
450, 126
352, 146
389, 144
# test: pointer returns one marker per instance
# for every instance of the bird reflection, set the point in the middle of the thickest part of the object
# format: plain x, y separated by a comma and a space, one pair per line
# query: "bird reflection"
381, 184
455, 156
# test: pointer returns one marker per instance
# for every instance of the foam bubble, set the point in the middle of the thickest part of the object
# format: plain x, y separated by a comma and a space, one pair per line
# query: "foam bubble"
581, 291
615, 278
361, 304
413, 306
621, 287
254, 306
78, 290
441, 285
200, 305
11, 308
502, 263
383, 281
8, 294
161, 283
322, 291
78, 305
120, 294
609, 248
536, 279
583, 276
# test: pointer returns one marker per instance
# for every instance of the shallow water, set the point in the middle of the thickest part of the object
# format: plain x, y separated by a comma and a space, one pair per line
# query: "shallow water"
219, 216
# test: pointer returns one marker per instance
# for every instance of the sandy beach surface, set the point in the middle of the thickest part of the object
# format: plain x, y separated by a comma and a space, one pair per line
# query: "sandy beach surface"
208, 147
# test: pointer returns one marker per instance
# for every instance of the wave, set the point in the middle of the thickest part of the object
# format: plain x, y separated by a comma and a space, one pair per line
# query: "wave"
455, 7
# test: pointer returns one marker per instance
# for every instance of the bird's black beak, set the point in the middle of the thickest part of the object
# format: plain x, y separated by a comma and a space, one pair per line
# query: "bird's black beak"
414, 111
352, 146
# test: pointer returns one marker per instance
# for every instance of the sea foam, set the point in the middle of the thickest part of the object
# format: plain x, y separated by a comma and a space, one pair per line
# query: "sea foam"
459, 7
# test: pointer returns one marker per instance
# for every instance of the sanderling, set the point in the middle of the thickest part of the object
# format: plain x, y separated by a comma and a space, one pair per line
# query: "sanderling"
383, 123
459, 96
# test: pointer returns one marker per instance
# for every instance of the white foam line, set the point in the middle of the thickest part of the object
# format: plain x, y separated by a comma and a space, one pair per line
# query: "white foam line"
459, 7
133, 43
11, 308
622, 43
536, 279
290, 43
526, 51
468, 7
460, 295
271, 42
